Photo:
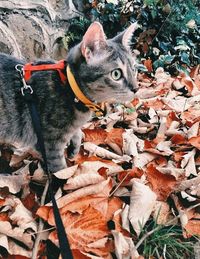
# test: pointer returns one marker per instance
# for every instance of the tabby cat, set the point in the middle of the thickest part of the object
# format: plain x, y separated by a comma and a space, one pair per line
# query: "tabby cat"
103, 69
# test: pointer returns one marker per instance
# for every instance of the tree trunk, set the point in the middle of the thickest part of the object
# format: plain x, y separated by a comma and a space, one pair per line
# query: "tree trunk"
33, 29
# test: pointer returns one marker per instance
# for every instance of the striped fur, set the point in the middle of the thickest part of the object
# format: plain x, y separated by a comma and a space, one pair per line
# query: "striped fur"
61, 116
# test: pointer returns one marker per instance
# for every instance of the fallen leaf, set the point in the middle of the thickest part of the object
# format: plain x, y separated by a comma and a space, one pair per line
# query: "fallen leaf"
83, 180
195, 141
126, 176
99, 151
163, 185
124, 246
84, 229
161, 213
141, 205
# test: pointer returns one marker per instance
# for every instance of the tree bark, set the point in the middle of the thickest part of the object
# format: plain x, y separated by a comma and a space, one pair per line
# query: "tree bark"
31, 29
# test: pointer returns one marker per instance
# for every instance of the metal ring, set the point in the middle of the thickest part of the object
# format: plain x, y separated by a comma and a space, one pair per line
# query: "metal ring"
19, 67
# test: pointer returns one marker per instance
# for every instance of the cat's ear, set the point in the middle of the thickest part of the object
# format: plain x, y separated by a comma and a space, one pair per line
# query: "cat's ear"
124, 37
93, 40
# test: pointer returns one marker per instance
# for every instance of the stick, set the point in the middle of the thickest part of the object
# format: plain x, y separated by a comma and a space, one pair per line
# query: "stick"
41, 224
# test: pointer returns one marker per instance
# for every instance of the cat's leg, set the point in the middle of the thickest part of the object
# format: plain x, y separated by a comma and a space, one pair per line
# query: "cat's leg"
55, 156
75, 143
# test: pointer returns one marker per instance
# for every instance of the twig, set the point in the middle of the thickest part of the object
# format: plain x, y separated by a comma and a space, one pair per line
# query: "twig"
41, 224
119, 184
42, 231
158, 227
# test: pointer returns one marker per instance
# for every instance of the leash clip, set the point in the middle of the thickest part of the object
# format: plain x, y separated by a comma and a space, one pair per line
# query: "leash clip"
19, 68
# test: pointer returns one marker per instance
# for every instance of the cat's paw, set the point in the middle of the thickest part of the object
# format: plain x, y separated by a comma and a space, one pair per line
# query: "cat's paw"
74, 144
72, 150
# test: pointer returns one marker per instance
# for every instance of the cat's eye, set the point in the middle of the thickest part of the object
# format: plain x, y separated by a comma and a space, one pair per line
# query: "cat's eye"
116, 74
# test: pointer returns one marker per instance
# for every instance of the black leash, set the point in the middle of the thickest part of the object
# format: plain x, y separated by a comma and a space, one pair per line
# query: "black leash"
28, 95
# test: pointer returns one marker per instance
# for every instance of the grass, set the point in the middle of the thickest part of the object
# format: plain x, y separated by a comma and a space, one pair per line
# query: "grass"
166, 243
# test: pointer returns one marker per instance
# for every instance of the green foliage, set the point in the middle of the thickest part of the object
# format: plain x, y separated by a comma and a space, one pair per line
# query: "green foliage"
169, 33
166, 242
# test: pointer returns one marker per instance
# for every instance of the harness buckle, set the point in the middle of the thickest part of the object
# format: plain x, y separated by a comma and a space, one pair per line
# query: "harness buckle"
26, 87
19, 68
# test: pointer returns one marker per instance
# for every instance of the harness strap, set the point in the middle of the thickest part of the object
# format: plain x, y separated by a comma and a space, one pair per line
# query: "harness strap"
59, 66
62, 237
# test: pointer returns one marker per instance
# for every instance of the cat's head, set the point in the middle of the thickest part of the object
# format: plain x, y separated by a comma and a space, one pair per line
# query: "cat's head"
105, 69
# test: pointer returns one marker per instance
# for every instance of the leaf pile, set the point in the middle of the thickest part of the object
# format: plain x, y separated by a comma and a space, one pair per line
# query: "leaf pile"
138, 164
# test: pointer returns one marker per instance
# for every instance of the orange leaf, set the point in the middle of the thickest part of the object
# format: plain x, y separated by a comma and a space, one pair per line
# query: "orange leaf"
114, 204
78, 255
127, 175
84, 229
162, 184
186, 81
195, 141
178, 139
171, 117
156, 104
191, 116
160, 160
82, 158
192, 228
148, 144
99, 203
4, 216
95, 196
148, 65
30, 202
96, 136
178, 156
2, 201
115, 136
135, 101
43, 212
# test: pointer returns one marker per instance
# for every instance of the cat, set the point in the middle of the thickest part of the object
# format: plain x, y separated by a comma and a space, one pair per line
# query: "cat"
103, 68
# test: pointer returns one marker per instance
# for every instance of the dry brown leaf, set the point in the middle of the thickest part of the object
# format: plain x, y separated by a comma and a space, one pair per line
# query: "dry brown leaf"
127, 175
143, 159
148, 65
83, 180
188, 163
131, 143
84, 229
195, 141
193, 131
15, 182
163, 185
191, 116
99, 151
16, 233
192, 228
141, 205
161, 213
96, 136
77, 201
124, 246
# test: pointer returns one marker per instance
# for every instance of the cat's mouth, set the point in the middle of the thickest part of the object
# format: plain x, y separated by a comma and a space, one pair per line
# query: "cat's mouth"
120, 97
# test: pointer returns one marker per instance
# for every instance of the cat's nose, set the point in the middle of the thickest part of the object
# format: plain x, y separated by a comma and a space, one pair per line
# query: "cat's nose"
135, 86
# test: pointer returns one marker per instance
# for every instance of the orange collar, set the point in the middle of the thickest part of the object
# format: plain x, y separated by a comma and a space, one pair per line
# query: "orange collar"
60, 66
80, 95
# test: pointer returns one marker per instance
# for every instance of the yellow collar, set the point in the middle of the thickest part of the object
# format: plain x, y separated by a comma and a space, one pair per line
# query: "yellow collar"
80, 95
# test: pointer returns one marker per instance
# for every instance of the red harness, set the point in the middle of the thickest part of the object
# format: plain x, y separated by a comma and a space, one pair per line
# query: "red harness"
59, 66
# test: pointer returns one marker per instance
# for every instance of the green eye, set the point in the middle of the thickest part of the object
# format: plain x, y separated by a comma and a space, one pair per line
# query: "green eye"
116, 74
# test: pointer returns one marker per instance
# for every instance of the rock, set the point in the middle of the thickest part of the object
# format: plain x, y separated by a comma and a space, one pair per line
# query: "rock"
32, 29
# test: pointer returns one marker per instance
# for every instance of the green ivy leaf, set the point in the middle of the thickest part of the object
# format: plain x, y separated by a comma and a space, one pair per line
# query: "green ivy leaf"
185, 58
